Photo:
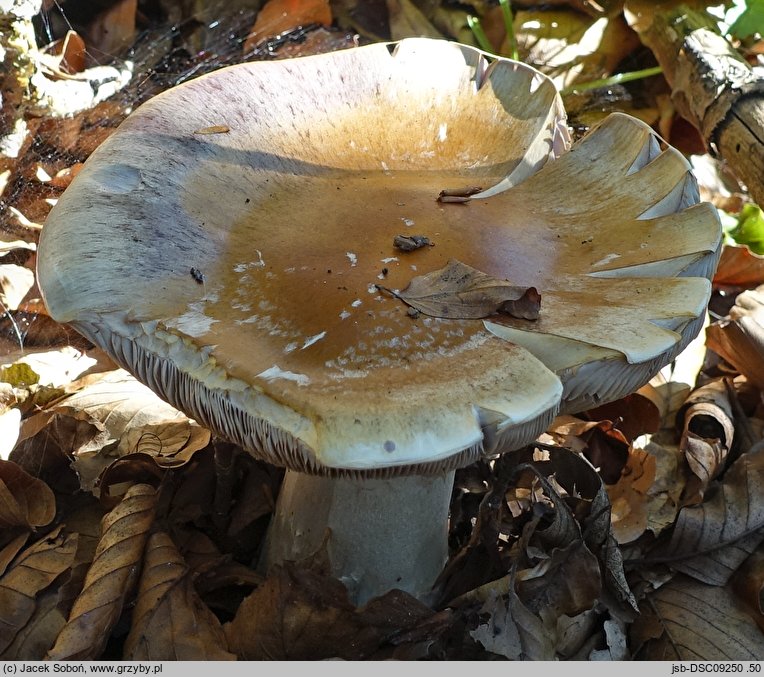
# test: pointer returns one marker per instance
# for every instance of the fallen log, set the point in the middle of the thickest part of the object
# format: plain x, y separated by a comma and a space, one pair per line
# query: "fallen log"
712, 85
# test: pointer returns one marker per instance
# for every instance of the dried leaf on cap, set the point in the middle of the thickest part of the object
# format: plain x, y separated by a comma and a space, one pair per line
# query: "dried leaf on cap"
460, 292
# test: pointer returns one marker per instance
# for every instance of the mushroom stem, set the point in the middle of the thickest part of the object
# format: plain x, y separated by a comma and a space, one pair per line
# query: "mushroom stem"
384, 533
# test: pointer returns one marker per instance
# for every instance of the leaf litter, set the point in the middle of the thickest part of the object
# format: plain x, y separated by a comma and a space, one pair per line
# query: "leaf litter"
460, 292
146, 522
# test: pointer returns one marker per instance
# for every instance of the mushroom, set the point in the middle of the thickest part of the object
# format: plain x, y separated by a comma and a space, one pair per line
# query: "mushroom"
226, 243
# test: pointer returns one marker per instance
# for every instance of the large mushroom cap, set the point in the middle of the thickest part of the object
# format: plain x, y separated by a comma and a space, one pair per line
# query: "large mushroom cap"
226, 243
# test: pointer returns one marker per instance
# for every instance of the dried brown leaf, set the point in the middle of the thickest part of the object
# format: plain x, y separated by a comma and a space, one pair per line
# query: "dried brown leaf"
136, 420
33, 571
48, 439
459, 292
566, 581
712, 539
299, 613
110, 578
748, 584
514, 631
739, 339
279, 16
739, 267
708, 431
13, 541
170, 621
687, 620
633, 415
295, 614
578, 477
25, 501
629, 497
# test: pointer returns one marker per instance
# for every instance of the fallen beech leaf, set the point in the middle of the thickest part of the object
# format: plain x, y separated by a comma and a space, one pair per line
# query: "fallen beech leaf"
748, 584
136, 420
711, 540
689, 621
574, 635
33, 571
739, 339
616, 640
112, 29
25, 501
513, 630
579, 478
739, 267
47, 440
110, 578
460, 292
279, 16
12, 544
299, 613
634, 415
601, 442
629, 497
708, 431
170, 621
295, 614
566, 581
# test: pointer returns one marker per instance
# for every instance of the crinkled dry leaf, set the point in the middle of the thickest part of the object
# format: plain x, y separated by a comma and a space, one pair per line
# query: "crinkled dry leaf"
748, 584
663, 496
601, 442
460, 292
296, 614
25, 501
711, 540
566, 581
45, 444
279, 16
299, 613
13, 540
51, 608
136, 421
739, 267
110, 579
514, 631
633, 415
687, 620
708, 431
33, 571
580, 479
170, 621
616, 643
739, 339
629, 497
574, 634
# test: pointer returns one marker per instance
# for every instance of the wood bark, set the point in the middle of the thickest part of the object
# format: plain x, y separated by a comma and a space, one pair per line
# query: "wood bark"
712, 85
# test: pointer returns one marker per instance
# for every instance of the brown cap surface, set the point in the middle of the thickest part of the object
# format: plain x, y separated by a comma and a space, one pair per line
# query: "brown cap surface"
226, 243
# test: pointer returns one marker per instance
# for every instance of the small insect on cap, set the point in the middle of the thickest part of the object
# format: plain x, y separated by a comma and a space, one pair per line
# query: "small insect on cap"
283, 265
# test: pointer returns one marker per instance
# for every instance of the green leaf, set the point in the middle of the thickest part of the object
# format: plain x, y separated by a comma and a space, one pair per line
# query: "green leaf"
750, 22
750, 228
